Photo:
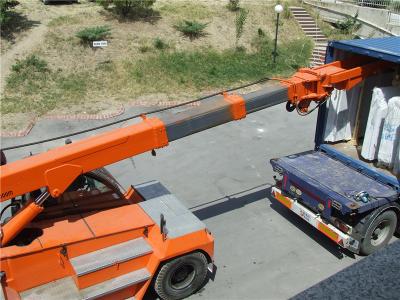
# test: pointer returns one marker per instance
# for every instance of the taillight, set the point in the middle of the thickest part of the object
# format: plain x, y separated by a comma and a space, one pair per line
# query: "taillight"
342, 226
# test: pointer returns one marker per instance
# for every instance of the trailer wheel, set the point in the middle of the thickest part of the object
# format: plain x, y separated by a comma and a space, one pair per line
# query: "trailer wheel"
181, 276
379, 232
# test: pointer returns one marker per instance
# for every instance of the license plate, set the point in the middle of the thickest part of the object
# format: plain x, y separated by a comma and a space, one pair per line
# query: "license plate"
305, 215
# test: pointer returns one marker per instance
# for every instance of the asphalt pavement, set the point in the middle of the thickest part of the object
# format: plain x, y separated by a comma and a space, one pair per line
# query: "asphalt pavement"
223, 175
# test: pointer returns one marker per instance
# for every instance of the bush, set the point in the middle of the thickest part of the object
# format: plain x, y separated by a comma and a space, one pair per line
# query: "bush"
348, 25
5, 6
233, 5
159, 44
192, 29
128, 8
241, 17
32, 63
91, 34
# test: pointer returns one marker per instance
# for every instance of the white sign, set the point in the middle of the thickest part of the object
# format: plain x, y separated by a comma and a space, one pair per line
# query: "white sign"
99, 43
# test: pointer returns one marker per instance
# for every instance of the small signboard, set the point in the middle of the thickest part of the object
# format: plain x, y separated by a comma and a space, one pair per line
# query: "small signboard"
97, 44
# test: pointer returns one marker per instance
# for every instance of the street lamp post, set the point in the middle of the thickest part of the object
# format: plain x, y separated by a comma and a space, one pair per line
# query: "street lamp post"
278, 9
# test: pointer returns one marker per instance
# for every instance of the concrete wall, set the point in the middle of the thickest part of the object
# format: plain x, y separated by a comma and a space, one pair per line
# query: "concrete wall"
375, 22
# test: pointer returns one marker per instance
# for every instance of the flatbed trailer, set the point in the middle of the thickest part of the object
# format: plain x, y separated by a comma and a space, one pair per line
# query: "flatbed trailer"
350, 200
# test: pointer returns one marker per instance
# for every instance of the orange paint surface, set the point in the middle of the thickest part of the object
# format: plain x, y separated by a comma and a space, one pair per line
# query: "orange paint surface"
117, 220
42, 261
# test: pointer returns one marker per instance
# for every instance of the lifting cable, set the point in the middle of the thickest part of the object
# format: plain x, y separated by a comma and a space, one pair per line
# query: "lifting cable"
138, 115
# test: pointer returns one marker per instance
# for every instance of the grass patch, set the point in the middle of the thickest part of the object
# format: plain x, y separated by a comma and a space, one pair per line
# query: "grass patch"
33, 87
63, 20
28, 74
208, 68
72, 85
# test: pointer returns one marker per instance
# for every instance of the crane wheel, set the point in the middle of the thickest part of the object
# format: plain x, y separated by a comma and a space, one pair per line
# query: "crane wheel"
181, 276
379, 232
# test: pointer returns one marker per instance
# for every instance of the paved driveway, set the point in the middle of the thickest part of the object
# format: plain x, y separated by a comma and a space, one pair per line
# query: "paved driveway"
263, 251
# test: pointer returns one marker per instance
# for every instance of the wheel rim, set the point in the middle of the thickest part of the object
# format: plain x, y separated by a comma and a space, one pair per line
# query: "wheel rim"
182, 277
380, 233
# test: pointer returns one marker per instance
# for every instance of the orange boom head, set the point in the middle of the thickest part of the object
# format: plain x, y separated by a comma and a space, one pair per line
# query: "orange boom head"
317, 84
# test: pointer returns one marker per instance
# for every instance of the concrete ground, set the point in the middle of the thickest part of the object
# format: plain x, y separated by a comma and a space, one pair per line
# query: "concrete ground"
223, 175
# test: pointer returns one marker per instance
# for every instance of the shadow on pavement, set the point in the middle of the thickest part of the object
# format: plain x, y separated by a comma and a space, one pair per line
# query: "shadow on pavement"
230, 202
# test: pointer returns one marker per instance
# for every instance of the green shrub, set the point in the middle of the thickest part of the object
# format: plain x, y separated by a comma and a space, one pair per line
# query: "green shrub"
5, 6
240, 20
91, 34
159, 44
233, 5
192, 29
128, 8
348, 25
32, 63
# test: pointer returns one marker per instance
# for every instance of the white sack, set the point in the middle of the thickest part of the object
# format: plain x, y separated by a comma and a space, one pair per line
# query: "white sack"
377, 113
342, 109
390, 134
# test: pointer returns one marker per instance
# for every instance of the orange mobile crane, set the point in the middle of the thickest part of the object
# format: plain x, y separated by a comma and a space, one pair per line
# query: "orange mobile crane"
73, 234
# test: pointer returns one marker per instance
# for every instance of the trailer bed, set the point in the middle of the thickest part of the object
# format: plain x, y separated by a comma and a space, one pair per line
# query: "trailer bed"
323, 177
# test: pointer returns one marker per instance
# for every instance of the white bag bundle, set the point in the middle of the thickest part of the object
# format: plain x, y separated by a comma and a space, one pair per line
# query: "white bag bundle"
377, 114
388, 149
341, 107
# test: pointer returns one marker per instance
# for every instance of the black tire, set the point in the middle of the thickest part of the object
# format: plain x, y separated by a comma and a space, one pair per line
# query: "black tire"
181, 277
379, 232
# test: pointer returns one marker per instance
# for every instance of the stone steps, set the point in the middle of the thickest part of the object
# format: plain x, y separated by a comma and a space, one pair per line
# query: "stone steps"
311, 29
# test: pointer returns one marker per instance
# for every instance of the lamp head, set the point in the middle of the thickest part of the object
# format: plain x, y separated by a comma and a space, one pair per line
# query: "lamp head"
278, 8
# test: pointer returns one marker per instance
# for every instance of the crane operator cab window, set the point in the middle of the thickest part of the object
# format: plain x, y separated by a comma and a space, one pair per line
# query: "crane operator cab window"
92, 191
